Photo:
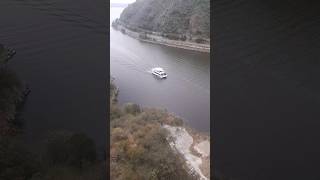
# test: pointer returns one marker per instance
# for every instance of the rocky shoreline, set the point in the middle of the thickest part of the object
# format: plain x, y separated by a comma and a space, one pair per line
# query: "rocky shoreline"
156, 38
194, 148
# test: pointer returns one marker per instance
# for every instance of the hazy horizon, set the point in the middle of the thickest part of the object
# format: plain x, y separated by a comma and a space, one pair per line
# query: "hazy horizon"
122, 1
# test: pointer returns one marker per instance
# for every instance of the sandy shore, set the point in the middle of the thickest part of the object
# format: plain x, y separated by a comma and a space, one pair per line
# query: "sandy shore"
151, 38
194, 148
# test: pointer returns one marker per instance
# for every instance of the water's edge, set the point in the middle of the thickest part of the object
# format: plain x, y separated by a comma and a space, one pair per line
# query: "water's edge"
156, 39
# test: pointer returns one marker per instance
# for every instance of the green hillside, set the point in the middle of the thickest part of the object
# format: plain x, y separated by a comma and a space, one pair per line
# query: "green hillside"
186, 17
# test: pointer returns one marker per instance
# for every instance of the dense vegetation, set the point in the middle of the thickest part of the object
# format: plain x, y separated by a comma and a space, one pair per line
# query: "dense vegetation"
180, 17
139, 148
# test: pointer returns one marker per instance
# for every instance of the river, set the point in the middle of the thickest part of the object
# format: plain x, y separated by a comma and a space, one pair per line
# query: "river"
62, 54
186, 91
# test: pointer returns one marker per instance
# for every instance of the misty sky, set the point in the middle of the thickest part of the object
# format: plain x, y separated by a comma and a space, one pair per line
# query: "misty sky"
122, 1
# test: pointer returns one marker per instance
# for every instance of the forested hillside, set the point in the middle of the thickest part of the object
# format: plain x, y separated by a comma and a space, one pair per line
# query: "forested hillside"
186, 17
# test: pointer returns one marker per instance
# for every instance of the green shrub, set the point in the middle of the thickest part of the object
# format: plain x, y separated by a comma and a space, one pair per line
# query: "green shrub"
200, 40
177, 122
115, 112
183, 38
131, 108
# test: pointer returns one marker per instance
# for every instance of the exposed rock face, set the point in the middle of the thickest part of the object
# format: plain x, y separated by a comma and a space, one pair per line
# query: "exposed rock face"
187, 17
183, 142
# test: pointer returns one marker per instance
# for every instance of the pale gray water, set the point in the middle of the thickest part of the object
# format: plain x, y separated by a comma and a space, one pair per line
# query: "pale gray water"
186, 91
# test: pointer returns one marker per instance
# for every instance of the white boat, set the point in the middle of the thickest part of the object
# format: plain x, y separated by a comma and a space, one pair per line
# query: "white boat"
159, 72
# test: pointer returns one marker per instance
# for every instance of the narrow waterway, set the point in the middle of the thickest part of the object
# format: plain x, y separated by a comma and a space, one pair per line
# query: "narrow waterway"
186, 91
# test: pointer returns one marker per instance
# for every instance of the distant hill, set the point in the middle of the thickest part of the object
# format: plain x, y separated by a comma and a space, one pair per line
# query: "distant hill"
187, 17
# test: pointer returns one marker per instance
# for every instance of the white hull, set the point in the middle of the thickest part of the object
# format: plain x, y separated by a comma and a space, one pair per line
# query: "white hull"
159, 72
159, 75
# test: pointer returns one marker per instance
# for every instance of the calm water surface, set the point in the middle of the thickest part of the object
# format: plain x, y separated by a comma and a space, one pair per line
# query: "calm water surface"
186, 91
62, 54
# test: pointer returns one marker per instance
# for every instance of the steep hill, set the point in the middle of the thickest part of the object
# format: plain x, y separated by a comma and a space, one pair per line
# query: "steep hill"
183, 17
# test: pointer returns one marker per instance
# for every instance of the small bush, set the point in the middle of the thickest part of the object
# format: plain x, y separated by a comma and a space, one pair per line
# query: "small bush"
143, 36
183, 38
115, 112
131, 108
200, 40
